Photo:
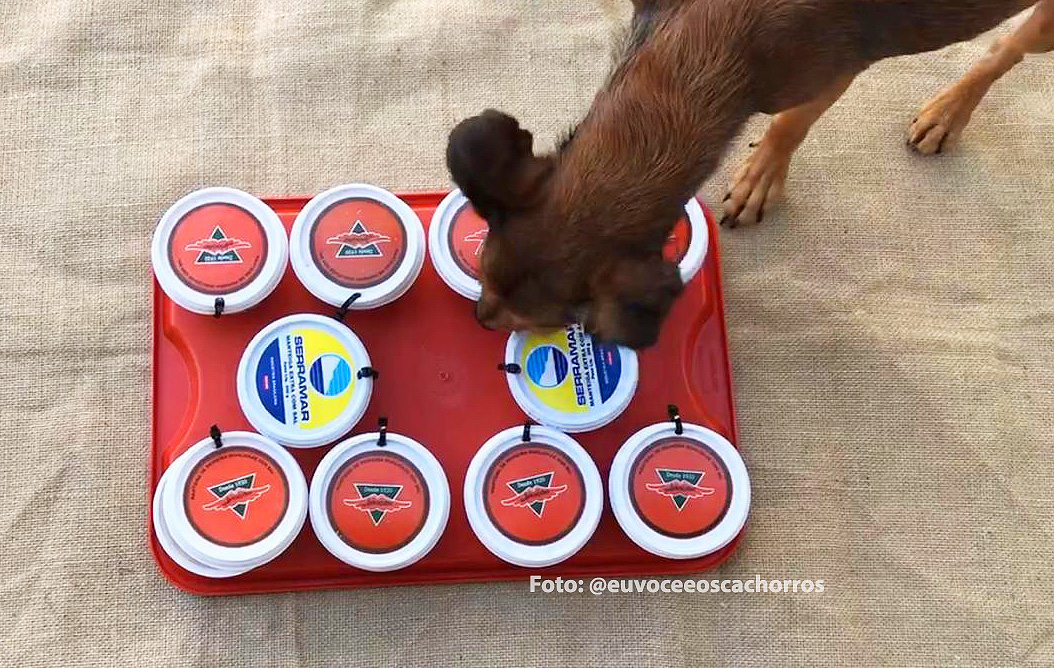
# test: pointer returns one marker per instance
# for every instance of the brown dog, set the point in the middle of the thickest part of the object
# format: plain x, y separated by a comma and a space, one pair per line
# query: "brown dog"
576, 235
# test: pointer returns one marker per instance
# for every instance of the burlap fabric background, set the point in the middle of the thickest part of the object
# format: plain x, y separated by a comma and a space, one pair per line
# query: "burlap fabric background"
890, 327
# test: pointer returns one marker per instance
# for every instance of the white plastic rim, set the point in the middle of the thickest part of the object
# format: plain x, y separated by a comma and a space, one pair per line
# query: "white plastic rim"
435, 519
555, 379
322, 337
246, 557
699, 244
243, 298
646, 537
169, 545
439, 248
504, 547
329, 290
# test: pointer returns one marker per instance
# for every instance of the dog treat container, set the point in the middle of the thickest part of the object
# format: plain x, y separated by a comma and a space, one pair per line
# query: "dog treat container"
305, 380
455, 241
219, 250
237, 506
566, 380
533, 496
169, 544
689, 241
679, 495
379, 501
360, 240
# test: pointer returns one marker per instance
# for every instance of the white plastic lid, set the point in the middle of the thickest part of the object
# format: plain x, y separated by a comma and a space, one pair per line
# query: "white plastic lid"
568, 381
533, 503
679, 496
697, 235
219, 243
169, 545
455, 241
298, 380
357, 238
238, 506
379, 508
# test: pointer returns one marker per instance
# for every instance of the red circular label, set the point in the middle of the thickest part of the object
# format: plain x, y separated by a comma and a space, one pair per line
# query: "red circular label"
534, 494
467, 233
358, 242
680, 487
236, 496
678, 242
377, 502
217, 248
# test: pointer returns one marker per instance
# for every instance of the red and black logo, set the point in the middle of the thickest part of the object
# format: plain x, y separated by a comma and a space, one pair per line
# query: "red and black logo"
359, 242
679, 486
236, 495
378, 500
533, 492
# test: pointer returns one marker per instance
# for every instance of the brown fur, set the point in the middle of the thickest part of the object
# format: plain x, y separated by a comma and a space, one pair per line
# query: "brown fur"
577, 234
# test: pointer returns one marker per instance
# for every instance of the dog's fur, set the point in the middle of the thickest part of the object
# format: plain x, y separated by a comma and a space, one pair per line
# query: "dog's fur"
576, 235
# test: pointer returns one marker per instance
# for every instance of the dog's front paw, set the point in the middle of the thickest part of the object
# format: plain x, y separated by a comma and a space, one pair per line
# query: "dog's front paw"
942, 119
758, 184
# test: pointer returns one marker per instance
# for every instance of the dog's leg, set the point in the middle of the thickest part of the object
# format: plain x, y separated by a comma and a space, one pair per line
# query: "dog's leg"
758, 183
942, 119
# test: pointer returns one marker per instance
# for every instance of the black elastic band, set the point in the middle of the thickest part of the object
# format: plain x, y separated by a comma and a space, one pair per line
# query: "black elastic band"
216, 435
382, 431
367, 372
527, 431
511, 367
218, 307
675, 415
343, 310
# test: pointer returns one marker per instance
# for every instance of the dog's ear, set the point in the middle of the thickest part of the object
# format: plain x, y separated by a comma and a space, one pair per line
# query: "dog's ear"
631, 304
491, 158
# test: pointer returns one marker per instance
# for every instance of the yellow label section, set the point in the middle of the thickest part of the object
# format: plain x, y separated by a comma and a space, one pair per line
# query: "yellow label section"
553, 370
330, 377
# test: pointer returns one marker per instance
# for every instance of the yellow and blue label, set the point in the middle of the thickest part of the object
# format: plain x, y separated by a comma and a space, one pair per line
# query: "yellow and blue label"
305, 378
568, 372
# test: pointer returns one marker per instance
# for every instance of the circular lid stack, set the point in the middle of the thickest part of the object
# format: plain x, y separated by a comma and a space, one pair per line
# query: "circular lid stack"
221, 511
569, 381
533, 502
219, 244
357, 239
679, 495
304, 380
378, 506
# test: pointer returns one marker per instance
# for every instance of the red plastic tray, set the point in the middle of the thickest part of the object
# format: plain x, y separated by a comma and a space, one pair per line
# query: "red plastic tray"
439, 384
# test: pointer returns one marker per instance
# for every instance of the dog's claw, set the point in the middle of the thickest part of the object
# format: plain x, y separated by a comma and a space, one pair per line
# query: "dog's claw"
727, 197
725, 220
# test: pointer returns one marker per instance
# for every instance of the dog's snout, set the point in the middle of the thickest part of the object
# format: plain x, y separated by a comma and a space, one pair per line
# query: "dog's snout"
483, 318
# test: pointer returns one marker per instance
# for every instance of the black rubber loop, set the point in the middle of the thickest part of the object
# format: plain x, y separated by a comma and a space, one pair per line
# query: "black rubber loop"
367, 372
217, 436
675, 415
382, 430
346, 306
218, 307
527, 431
511, 367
